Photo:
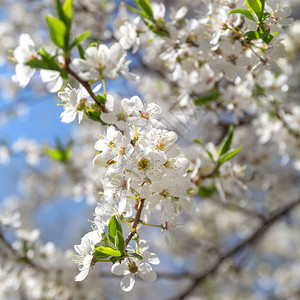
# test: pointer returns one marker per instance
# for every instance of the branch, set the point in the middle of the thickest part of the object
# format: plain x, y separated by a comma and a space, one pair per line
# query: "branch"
136, 221
254, 237
84, 83
21, 258
240, 209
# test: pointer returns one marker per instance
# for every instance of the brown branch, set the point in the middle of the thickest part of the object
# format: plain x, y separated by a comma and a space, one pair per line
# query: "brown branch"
251, 240
136, 221
240, 209
84, 83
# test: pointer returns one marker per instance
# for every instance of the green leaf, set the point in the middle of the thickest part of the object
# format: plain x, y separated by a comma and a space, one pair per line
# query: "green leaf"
113, 259
100, 255
93, 114
207, 97
59, 153
109, 251
146, 8
38, 64
210, 155
48, 63
57, 31
133, 9
54, 153
198, 142
225, 146
101, 98
67, 9
230, 155
78, 39
92, 45
206, 192
266, 36
256, 7
80, 51
266, 15
244, 12
120, 243
60, 11
114, 225
252, 35
135, 255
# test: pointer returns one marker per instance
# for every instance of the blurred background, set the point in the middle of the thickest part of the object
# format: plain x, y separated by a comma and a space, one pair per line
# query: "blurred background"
45, 203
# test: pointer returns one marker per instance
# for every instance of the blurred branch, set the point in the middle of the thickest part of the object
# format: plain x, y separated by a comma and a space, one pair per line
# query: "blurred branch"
20, 258
250, 241
240, 209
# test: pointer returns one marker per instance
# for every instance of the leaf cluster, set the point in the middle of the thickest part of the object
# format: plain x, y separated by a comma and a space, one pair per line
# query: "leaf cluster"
256, 13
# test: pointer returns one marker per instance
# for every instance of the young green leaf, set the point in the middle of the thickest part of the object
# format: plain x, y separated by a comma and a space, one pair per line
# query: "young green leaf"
80, 51
252, 35
229, 155
78, 39
120, 243
198, 142
133, 9
60, 12
113, 259
225, 146
48, 63
206, 192
244, 12
135, 255
256, 7
67, 10
114, 225
54, 153
57, 31
100, 255
266, 36
39, 64
146, 8
108, 251
207, 97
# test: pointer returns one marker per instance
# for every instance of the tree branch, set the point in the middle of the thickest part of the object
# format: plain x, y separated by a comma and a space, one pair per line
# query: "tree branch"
252, 239
84, 83
21, 258
136, 221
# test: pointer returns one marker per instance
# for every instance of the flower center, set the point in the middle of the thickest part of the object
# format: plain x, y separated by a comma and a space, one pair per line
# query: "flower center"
121, 117
160, 146
144, 164
132, 268
145, 115
167, 164
122, 151
165, 194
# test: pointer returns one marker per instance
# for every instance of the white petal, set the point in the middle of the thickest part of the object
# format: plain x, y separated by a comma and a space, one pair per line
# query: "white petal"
127, 282
118, 268
81, 275
146, 272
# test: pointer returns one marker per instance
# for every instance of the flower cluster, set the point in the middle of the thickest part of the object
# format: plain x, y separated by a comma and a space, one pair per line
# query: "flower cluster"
144, 171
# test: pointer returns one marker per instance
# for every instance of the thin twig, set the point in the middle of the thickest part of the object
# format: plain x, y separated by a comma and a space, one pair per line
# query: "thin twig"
84, 83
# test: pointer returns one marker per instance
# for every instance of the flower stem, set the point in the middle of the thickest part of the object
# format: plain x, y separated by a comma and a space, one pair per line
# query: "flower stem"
104, 87
152, 225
